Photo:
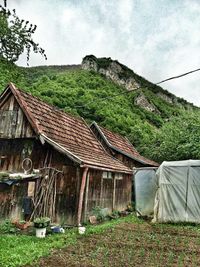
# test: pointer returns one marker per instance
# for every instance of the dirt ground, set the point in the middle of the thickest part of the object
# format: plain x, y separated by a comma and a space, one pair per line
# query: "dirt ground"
131, 245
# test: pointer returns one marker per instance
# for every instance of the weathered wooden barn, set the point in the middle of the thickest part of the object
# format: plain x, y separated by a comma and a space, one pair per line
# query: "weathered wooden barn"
76, 173
121, 148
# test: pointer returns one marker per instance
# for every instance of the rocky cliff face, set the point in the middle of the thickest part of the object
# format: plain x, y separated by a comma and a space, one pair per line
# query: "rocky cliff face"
165, 97
123, 76
144, 103
112, 70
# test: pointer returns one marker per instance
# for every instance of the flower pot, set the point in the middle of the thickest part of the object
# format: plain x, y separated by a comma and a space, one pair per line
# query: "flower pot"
81, 230
41, 232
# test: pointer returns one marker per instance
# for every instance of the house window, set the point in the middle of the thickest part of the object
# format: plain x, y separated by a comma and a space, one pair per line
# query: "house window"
107, 175
118, 176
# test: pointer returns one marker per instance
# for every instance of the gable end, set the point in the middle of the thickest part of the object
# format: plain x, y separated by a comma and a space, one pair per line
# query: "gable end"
13, 122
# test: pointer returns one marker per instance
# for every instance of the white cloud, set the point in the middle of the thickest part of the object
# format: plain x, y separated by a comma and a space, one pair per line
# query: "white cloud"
157, 38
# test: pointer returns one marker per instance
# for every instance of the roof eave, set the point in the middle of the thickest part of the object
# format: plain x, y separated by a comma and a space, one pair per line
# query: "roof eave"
103, 168
134, 158
76, 159
60, 148
116, 149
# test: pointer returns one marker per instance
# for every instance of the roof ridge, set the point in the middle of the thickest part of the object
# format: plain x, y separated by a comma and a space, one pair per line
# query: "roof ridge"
93, 135
103, 135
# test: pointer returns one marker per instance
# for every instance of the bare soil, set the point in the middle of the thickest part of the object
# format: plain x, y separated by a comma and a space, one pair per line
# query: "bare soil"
131, 245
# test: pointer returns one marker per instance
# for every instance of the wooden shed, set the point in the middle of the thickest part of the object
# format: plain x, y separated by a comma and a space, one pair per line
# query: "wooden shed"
121, 148
76, 173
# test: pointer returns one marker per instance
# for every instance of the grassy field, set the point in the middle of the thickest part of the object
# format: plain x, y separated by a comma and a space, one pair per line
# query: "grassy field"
20, 249
123, 242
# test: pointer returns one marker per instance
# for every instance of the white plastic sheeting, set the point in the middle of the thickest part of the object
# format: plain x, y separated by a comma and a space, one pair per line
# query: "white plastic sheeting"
145, 182
178, 195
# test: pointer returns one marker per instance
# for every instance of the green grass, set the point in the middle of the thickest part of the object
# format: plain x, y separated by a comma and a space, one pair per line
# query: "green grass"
136, 239
18, 250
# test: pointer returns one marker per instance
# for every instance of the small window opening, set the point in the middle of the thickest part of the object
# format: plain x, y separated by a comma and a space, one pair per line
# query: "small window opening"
107, 175
118, 176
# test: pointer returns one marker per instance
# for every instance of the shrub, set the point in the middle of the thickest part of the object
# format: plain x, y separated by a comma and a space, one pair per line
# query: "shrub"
6, 227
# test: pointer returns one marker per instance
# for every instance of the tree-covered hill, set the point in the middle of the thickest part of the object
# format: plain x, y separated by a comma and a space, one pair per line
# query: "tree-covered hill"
170, 131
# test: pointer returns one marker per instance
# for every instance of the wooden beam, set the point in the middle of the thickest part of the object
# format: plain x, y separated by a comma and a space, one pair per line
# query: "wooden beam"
114, 193
105, 169
86, 196
80, 205
101, 192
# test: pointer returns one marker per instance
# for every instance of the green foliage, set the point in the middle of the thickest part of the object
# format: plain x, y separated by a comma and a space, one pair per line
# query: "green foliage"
41, 222
80, 93
6, 227
100, 213
179, 138
16, 36
115, 214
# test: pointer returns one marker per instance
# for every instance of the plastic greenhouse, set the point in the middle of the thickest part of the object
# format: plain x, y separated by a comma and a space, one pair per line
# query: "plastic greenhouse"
178, 194
145, 184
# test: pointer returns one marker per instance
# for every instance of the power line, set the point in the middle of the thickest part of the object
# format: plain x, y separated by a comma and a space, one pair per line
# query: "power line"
140, 87
178, 76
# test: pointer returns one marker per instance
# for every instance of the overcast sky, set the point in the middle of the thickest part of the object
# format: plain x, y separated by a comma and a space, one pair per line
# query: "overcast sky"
155, 38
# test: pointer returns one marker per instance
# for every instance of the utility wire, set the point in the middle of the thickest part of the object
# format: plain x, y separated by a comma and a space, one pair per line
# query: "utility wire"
178, 76
139, 87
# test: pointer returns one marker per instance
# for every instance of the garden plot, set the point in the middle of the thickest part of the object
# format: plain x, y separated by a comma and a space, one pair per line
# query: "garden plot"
132, 244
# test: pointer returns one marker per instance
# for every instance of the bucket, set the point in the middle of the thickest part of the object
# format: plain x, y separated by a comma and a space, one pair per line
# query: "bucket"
81, 230
40, 232
57, 229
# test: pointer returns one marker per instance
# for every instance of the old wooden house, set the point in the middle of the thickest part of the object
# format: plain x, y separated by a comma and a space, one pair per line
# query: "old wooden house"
70, 171
121, 148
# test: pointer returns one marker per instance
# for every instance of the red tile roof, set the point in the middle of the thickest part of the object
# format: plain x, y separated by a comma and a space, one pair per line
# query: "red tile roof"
66, 131
123, 145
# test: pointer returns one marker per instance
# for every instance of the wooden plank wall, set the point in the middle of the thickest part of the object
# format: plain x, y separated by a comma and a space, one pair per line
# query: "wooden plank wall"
13, 123
123, 192
94, 189
128, 161
12, 153
11, 198
106, 193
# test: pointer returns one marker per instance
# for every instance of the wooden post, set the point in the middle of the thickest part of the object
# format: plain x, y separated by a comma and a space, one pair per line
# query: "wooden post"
78, 178
86, 196
101, 192
114, 192
80, 205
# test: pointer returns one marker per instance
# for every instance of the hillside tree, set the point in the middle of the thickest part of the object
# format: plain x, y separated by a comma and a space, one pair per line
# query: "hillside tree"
16, 36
